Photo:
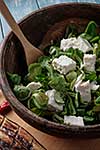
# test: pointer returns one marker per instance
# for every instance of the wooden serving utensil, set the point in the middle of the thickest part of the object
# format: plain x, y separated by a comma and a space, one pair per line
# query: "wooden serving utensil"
31, 52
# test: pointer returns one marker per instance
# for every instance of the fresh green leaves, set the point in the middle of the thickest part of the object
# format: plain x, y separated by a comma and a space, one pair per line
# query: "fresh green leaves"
34, 70
71, 31
14, 78
75, 54
38, 103
58, 98
57, 118
97, 101
90, 31
71, 76
22, 92
90, 75
40, 100
96, 107
59, 84
66, 94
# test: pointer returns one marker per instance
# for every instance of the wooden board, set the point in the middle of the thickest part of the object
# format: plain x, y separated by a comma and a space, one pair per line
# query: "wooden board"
51, 142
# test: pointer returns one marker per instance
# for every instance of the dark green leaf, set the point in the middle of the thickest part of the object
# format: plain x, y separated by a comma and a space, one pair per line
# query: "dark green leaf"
90, 75
91, 29
71, 31
71, 76
58, 119
95, 39
59, 84
88, 119
71, 107
58, 98
14, 78
80, 112
40, 100
97, 101
22, 92
34, 70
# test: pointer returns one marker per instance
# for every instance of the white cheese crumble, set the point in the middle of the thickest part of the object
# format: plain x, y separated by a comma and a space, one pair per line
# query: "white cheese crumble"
64, 64
94, 86
34, 85
75, 43
73, 120
89, 61
84, 45
84, 88
51, 101
68, 43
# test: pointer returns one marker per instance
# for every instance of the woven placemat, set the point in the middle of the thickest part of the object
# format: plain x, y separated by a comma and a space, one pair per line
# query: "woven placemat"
15, 137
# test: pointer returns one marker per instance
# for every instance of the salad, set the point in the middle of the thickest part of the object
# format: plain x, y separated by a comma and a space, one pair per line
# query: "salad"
64, 86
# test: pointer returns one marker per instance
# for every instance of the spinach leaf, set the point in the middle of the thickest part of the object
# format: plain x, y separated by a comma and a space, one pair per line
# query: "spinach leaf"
71, 76
91, 29
71, 108
89, 117
40, 100
15, 79
90, 75
46, 66
22, 92
58, 98
97, 101
59, 84
71, 31
58, 118
33, 71
89, 120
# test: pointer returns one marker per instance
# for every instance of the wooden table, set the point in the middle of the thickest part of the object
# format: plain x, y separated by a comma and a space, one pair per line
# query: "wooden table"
51, 142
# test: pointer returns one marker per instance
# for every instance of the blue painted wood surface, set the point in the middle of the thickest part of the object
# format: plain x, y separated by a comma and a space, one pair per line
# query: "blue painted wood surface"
20, 8
1, 34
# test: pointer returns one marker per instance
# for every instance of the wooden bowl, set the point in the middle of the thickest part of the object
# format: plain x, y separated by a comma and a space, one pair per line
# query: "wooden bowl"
12, 59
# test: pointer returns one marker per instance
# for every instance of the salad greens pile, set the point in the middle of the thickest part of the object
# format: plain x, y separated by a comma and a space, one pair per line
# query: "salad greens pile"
43, 83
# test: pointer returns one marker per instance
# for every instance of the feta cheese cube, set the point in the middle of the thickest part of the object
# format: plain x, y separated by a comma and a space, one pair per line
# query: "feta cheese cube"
76, 43
94, 86
64, 64
34, 85
84, 88
68, 43
89, 61
51, 102
84, 45
73, 120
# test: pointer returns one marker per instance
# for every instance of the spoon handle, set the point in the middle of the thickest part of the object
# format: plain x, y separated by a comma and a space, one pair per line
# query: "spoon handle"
12, 23
32, 53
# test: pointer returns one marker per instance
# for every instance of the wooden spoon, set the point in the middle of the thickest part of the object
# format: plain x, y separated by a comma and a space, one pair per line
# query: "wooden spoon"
31, 52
